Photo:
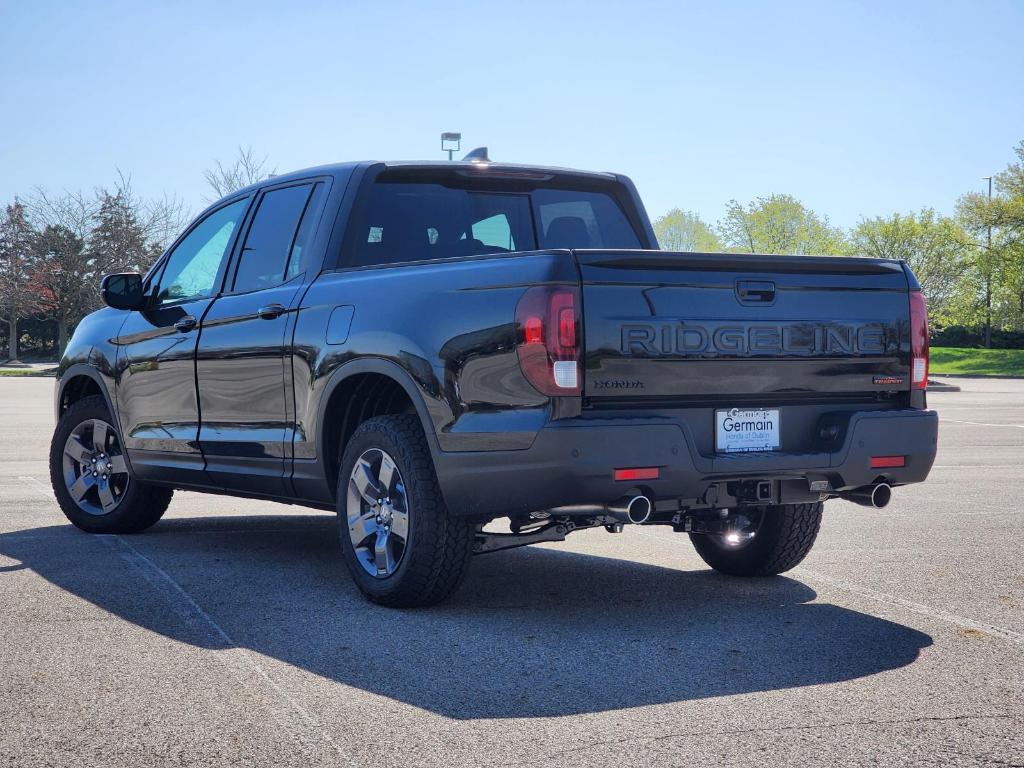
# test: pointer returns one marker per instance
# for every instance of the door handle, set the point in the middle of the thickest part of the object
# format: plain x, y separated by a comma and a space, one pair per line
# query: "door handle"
185, 324
270, 311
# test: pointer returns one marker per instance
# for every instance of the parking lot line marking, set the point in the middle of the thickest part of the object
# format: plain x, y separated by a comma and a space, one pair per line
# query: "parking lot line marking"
881, 597
982, 423
46, 491
774, 729
975, 466
925, 610
238, 660
296, 529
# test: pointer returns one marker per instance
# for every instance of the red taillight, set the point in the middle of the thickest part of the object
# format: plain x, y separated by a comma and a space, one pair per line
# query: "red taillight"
637, 473
881, 462
918, 341
547, 334
567, 328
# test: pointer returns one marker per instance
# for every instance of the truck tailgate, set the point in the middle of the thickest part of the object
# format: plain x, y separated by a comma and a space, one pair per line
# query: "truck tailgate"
741, 329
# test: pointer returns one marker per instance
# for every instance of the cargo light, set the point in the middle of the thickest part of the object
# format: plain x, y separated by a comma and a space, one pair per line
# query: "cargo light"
881, 462
918, 341
637, 473
547, 339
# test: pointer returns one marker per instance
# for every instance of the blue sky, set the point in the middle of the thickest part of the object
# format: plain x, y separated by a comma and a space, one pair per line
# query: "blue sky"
854, 107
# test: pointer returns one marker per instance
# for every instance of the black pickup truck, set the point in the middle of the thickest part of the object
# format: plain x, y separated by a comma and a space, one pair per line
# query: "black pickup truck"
429, 347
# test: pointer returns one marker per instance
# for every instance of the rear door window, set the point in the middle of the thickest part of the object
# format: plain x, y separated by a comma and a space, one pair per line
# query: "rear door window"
270, 239
299, 258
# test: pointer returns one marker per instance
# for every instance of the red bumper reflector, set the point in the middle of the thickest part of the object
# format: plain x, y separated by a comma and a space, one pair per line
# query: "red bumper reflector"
637, 473
880, 462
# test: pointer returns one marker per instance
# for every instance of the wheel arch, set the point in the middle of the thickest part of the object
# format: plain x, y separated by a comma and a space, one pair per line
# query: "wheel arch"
79, 381
82, 380
360, 390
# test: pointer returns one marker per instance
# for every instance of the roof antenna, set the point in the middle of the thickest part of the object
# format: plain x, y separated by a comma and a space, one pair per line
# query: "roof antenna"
478, 155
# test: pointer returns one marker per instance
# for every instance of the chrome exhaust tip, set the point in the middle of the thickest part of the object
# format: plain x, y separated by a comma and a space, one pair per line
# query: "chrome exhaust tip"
876, 496
639, 510
632, 509
881, 495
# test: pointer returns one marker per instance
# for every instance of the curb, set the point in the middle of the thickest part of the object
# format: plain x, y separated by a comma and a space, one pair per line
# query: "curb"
980, 376
18, 373
941, 386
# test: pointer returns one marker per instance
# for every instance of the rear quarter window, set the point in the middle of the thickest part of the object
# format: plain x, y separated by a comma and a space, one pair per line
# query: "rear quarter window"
404, 221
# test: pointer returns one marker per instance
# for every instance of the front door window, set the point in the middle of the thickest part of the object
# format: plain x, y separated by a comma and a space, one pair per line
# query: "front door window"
191, 271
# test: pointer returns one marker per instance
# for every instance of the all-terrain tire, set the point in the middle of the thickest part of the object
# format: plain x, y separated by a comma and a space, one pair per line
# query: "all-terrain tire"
439, 545
784, 538
141, 504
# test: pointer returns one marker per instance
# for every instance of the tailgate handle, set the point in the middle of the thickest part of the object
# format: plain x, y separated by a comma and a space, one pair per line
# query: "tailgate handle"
755, 291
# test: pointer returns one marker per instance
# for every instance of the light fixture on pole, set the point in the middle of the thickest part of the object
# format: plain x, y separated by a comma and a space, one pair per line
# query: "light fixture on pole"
451, 143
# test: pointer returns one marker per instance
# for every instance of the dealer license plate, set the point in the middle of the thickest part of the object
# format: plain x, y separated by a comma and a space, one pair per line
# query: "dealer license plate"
747, 429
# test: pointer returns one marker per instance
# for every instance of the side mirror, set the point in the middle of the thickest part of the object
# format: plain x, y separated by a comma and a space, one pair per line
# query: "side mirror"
122, 291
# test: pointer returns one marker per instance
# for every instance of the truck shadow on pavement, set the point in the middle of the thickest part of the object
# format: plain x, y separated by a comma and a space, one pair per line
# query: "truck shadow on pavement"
533, 632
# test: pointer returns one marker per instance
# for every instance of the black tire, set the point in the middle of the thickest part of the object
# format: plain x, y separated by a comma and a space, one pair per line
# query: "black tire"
784, 537
140, 505
438, 547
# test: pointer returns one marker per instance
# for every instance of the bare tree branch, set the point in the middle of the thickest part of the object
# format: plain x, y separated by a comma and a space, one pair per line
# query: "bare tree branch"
245, 170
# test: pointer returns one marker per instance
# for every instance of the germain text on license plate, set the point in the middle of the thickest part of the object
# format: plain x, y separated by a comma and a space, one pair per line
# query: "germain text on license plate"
747, 429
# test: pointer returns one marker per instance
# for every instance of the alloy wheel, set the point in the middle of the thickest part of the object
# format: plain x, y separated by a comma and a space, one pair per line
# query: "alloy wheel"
377, 509
95, 472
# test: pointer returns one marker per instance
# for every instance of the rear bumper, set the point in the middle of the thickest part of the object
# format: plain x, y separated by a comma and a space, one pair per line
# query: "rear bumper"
572, 462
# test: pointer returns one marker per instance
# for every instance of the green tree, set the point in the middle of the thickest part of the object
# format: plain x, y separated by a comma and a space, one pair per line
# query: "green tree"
86, 236
1009, 203
66, 277
936, 247
18, 293
74, 251
680, 230
1008, 220
779, 224
997, 225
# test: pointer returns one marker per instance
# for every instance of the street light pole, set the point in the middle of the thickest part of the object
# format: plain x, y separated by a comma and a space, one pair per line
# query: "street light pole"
988, 270
451, 142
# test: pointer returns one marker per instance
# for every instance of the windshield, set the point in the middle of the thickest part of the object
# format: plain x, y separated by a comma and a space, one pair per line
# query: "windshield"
400, 221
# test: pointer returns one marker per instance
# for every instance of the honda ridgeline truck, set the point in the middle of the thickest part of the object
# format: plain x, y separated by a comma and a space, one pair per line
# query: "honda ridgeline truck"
428, 347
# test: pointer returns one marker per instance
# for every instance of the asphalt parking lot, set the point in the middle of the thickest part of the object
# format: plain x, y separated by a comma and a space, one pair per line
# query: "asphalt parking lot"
229, 634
